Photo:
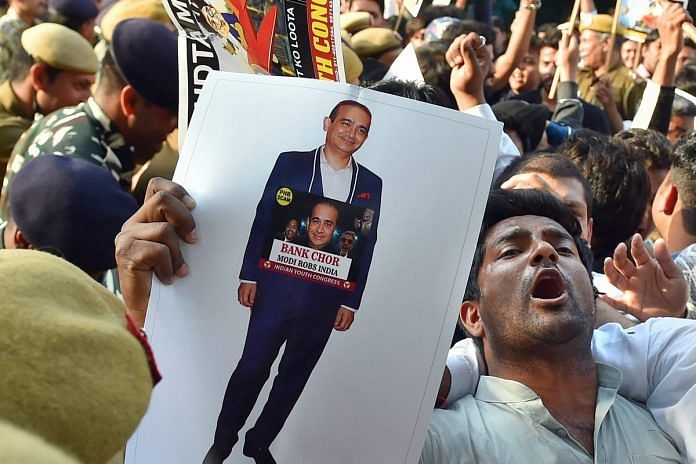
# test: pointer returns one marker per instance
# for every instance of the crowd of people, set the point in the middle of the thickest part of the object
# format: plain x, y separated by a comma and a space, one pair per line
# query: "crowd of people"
575, 340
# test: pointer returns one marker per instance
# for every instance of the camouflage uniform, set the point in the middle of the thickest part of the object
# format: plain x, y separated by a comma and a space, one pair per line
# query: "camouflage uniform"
84, 131
13, 122
11, 28
628, 89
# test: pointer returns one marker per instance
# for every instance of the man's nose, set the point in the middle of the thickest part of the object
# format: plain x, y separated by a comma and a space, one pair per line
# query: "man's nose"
544, 253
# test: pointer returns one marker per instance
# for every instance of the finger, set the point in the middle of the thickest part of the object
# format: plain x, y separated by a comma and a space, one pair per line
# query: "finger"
163, 206
162, 233
159, 184
621, 261
638, 251
453, 54
337, 322
613, 275
468, 52
664, 259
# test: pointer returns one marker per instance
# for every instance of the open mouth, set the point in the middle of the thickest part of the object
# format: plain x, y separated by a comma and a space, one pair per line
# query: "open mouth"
548, 285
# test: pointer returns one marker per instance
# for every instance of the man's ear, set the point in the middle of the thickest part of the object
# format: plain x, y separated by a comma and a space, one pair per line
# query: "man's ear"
327, 123
590, 227
39, 79
20, 241
128, 97
470, 318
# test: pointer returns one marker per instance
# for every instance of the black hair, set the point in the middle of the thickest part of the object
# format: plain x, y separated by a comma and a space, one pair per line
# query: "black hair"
466, 26
686, 79
434, 67
552, 164
413, 91
334, 111
683, 176
110, 79
652, 145
620, 188
504, 204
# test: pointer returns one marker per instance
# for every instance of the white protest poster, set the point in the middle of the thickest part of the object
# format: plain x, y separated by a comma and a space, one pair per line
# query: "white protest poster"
379, 246
405, 67
413, 6
641, 15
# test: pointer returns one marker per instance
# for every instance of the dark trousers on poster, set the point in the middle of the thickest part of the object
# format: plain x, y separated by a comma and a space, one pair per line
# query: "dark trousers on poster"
305, 332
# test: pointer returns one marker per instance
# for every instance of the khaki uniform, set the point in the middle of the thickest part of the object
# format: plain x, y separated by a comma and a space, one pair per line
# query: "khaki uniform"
628, 89
13, 122
11, 28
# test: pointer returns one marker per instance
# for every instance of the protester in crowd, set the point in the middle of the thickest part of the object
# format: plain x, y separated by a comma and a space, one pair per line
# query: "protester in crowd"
620, 188
629, 49
53, 68
530, 258
132, 112
611, 86
686, 55
21, 14
650, 53
78, 15
681, 123
657, 152
85, 209
76, 373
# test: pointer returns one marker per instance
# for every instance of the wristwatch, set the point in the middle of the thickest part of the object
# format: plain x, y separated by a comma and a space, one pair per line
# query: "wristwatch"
533, 5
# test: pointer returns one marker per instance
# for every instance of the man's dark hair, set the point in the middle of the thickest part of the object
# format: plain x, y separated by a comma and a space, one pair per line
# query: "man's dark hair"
683, 176
110, 79
535, 44
686, 79
652, 145
504, 204
22, 63
552, 35
651, 37
468, 25
683, 107
414, 91
434, 67
552, 164
334, 111
620, 188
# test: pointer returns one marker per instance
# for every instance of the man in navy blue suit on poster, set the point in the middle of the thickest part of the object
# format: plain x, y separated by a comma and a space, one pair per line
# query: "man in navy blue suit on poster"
286, 310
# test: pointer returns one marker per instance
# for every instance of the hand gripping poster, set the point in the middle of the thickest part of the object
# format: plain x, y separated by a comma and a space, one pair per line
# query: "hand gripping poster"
335, 240
298, 38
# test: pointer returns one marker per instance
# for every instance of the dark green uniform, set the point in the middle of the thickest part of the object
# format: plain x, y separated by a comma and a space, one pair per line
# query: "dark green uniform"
13, 122
84, 131
628, 89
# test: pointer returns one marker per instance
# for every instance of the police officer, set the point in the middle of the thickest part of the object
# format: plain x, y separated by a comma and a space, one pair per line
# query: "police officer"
133, 109
53, 68
594, 48
78, 15
20, 15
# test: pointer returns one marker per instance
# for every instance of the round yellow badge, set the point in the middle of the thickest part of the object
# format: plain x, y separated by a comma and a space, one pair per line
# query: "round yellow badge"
284, 196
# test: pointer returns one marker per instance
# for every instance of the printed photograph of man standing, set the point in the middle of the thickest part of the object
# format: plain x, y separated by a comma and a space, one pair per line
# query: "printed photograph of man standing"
284, 310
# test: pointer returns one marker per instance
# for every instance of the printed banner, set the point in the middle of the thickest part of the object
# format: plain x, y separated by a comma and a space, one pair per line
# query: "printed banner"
281, 37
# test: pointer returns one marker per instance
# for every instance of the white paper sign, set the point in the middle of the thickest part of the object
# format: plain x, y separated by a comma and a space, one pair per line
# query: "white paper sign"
410, 220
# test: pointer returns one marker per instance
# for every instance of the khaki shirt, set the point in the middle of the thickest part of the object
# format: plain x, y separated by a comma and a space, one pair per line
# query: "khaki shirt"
13, 122
506, 422
628, 89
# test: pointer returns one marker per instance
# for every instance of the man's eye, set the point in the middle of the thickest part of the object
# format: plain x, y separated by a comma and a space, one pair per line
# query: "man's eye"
509, 253
564, 250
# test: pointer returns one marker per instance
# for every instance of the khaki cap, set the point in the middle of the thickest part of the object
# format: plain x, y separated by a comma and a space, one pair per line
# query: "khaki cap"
375, 40
127, 9
60, 47
636, 36
355, 21
352, 64
602, 23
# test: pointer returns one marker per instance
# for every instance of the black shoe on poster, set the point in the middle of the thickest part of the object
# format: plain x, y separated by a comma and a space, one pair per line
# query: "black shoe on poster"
261, 455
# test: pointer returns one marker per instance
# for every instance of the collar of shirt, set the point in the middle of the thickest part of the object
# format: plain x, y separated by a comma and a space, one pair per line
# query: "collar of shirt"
336, 183
110, 136
523, 399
